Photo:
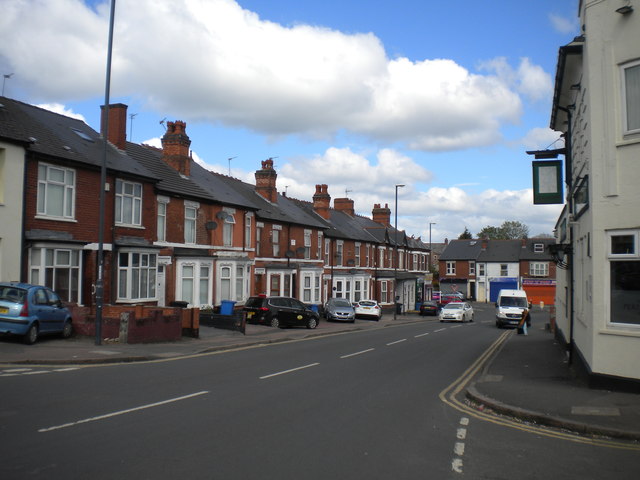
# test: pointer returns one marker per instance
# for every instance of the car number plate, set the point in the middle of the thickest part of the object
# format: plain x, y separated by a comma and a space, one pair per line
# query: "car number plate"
250, 314
4, 310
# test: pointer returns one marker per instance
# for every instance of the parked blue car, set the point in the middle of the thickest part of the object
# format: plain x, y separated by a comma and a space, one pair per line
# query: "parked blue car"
32, 310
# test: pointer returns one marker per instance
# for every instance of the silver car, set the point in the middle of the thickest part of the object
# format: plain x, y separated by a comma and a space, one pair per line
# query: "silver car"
339, 310
457, 312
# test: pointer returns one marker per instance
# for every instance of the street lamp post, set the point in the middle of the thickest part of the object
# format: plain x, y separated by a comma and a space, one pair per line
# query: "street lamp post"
5, 77
395, 263
430, 248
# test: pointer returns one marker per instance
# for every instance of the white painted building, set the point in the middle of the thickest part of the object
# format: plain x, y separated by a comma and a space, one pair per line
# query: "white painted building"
597, 104
11, 199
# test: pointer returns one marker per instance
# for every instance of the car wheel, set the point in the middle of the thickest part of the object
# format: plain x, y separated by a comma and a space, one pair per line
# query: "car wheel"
67, 330
275, 323
31, 335
312, 323
471, 318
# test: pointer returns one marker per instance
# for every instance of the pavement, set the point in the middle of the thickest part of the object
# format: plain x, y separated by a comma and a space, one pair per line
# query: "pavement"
527, 378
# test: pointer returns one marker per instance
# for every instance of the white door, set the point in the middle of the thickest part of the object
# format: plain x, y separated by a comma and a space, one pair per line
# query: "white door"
160, 285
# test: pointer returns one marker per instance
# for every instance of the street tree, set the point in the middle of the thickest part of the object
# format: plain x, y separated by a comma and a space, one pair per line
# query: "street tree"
466, 235
509, 230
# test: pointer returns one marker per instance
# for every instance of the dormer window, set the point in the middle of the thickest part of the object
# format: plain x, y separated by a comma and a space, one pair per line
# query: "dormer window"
538, 248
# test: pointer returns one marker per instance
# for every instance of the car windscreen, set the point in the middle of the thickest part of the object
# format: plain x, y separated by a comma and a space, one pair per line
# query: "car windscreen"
453, 306
254, 302
366, 304
513, 302
12, 294
340, 303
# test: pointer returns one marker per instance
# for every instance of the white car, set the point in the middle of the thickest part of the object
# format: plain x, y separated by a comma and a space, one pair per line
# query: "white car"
457, 312
368, 308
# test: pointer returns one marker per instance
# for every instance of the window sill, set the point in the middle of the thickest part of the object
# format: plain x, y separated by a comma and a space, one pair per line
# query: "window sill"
126, 225
621, 330
56, 219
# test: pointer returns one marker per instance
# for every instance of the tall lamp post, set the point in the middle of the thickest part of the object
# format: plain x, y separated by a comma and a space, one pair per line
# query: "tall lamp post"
395, 263
430, 249
5, 77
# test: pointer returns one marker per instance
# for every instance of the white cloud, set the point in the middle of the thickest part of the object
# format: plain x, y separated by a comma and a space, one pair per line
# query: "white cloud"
563, 24
528, 79
212, 61
542, 138
62, 110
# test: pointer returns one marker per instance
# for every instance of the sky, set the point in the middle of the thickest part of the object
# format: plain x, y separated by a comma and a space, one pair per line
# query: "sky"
362, 95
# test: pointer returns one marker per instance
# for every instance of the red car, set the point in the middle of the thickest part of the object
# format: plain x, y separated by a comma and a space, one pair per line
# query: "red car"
449, 297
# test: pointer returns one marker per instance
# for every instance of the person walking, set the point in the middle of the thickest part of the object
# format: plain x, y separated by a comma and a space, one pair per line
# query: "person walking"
522, 326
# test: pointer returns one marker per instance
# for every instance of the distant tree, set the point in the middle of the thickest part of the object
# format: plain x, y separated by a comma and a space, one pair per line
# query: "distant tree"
543, 235
491, 233
509, 230
466, 235
513, 230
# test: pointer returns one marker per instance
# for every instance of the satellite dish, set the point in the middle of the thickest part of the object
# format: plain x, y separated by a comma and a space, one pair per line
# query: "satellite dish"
289, 254
222, 215
211, 225
300, 250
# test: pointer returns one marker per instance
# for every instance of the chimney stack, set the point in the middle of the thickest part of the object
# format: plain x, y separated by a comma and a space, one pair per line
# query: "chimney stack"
382, 215
266, 181
175, 147
321, 201
344, 205
117, 124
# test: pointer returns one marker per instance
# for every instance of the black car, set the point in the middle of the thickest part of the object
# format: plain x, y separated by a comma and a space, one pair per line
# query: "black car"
429, 308
280, 312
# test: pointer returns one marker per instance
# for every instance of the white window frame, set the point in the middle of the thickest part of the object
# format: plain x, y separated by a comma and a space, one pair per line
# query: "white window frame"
339, 253
307, 244
47, 266
451, 267
505, 272
190, 222
319, 252
122, 197
45, 186
626, 101
161, 223
275, 240
357, 254
539, 269
619, 258
384, 294
247, 230
201, 280
227, 228
131, 278
538, 248
481, 269
472, 268
237, 280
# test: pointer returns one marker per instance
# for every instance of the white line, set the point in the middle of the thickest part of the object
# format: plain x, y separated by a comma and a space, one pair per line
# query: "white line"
66, 369
461, 433
397, 341
14, 370
36, 373
421, 335
464, 421
289, 371
440, 330
358, 353
456, 465
456, 326
458, 449
121, 412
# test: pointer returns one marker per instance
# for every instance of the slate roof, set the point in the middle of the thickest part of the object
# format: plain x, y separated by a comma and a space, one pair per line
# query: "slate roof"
496, 251
462, 250
500, 251
529, 254
61, 137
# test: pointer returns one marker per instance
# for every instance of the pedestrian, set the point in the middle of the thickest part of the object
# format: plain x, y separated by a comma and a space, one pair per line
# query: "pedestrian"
522, 326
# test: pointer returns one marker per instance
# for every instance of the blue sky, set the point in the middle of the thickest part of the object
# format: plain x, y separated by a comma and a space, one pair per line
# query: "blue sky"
444, 97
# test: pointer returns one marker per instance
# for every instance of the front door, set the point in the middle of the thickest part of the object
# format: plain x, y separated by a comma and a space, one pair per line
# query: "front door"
160, 285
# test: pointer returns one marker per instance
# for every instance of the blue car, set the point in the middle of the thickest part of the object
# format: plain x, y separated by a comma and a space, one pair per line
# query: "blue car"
32, 310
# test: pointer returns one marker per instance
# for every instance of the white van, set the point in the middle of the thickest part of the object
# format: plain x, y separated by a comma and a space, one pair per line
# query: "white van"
509, 308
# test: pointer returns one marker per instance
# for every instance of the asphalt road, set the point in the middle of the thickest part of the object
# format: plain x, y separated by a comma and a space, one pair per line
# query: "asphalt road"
362, 405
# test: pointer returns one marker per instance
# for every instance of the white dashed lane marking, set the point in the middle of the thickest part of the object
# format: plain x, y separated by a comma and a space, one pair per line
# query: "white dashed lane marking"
458, 448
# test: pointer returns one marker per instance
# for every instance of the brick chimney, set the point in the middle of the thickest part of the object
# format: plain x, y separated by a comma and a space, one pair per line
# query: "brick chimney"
117, 124
321, 201
382, 215
485, 243
266, 181
344, 205
175, 147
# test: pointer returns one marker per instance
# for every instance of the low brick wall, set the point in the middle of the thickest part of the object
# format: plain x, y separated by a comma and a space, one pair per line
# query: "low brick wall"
133, 323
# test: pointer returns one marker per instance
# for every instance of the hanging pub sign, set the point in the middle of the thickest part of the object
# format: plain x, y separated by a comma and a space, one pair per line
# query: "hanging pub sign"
547, 182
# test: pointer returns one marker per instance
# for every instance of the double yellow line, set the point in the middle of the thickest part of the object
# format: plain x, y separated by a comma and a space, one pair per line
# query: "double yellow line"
450, 396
